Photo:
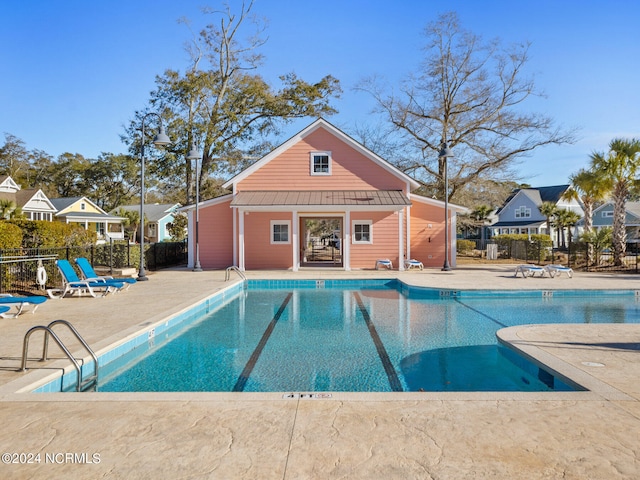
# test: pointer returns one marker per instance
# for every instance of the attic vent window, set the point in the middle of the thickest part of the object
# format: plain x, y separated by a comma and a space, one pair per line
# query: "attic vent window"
320, 163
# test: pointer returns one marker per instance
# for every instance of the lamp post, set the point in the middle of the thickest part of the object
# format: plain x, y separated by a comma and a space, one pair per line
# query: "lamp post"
160, 140
445, 153
194, 154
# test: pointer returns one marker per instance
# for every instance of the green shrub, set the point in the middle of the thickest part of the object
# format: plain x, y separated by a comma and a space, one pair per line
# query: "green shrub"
10, 235
537, 245
465, 247
37, 233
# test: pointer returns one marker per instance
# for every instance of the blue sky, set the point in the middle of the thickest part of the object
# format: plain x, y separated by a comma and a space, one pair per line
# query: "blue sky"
75, 71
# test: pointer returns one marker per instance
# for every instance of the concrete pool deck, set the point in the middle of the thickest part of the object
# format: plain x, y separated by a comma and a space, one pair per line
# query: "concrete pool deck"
420, 435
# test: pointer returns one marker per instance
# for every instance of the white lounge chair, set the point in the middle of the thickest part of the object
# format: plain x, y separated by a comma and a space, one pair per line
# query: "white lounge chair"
413, 263
530, 270
384, 262
554, 270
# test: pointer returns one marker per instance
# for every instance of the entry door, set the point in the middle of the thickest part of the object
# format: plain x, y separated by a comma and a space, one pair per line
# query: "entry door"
321, 241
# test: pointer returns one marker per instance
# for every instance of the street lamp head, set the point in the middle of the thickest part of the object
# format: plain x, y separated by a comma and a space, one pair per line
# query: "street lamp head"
194, 154
161, 139
445, 151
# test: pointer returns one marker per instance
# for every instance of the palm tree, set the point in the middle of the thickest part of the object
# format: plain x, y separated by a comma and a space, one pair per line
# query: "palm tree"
131, 221
618, 169
600, 239
590, 189
566, 219
548, 209
9, 209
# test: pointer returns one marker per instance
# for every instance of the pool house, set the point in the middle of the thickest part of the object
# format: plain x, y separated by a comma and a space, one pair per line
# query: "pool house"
321, 199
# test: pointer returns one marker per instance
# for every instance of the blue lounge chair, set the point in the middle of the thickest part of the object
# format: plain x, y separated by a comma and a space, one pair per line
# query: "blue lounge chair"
71, 283
7, 301
90, 274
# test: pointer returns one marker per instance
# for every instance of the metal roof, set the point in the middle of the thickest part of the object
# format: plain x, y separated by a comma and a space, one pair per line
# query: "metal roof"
382, 198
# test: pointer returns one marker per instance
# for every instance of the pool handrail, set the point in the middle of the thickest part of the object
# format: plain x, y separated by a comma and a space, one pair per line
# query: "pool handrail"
227, 274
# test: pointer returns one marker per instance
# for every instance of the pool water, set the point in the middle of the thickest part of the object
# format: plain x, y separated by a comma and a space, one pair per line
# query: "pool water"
368, 340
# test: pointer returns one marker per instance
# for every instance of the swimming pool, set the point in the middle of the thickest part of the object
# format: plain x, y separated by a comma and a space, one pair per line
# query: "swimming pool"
317, 336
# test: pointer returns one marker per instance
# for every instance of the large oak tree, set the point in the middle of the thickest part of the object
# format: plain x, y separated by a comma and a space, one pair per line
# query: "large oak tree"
472, 94
223, 105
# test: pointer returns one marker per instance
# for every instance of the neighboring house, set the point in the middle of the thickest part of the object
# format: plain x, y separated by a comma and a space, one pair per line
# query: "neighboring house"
32, 201
157, 218
321, 199
520, 212
83, 211
603, 217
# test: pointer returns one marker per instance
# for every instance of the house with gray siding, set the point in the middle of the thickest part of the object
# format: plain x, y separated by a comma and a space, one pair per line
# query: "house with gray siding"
520, 213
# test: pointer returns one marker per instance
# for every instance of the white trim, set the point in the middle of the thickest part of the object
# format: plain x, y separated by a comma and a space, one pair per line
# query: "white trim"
312, 163
207, 203
272, 224
437, 203
353, 235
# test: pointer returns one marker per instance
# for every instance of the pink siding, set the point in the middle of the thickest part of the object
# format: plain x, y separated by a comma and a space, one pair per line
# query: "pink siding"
350, 170
385, 240
259, 252
216, 236
427, 241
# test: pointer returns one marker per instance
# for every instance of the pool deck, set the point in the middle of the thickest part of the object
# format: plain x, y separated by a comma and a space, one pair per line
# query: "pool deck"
591, 434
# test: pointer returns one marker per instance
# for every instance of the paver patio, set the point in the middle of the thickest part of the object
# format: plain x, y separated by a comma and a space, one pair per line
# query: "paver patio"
570, 435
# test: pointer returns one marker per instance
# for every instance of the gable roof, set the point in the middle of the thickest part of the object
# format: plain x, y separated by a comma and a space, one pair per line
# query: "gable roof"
63, 203
23, 197
538, 195
322, 123
153, 212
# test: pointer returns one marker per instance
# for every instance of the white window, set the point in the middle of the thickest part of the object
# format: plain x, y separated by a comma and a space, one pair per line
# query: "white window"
280, 231
320, 163
523, 212
83, 206
607, 213
362, 231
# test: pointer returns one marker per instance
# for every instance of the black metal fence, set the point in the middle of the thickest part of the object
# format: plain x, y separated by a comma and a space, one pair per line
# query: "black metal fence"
19, 267
580, 255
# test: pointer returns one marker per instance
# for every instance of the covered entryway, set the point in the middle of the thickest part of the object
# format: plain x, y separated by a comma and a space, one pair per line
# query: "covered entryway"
321, 242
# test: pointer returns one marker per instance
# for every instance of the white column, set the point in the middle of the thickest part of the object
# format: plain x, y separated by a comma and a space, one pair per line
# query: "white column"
346, 241
295, 243
408, 231
400, 240
191, 236
452, 236
241, 214
234, 260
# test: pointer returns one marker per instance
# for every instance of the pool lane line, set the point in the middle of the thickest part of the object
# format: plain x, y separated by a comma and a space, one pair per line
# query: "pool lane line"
394, 381
248, 368
482, 313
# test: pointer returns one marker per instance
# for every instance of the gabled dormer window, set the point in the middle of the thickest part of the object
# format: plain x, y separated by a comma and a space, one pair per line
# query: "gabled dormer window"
523, 212
320, 163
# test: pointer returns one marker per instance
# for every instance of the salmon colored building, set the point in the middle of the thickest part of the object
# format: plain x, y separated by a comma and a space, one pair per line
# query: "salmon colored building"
321, 199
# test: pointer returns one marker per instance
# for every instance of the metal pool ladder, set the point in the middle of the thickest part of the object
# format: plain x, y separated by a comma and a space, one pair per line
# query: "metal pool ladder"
82, 385
235, 269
